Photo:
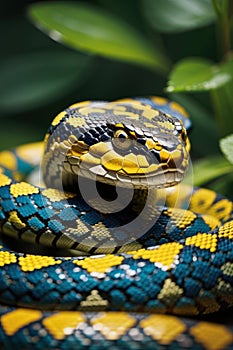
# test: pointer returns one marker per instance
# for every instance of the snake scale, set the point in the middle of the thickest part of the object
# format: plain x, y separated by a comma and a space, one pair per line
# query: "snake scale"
95, 275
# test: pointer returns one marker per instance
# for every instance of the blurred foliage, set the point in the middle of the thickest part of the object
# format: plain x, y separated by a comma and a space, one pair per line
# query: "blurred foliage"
58, 52
226, 145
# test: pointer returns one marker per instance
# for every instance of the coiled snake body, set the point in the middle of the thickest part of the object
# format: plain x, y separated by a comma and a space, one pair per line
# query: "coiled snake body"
129, 265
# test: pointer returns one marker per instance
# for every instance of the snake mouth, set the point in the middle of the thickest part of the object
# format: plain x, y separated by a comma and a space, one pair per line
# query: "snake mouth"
140, 165
159, 179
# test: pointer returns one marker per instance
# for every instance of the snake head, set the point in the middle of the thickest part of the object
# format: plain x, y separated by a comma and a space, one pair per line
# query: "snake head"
125, 142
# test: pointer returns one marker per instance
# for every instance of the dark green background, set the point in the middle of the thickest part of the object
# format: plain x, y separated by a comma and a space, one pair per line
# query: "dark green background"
104, 79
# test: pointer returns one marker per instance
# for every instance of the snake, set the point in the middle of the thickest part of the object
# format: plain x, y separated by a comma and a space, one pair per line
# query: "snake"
102, 245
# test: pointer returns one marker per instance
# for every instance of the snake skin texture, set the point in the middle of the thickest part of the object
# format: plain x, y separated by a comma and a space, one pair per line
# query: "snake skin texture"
67, 281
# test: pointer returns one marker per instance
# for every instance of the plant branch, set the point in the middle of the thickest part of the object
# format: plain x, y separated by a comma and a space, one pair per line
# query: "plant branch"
222, 12
216, 7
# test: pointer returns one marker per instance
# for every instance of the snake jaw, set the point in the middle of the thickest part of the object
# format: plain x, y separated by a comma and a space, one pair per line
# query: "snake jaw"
141, 165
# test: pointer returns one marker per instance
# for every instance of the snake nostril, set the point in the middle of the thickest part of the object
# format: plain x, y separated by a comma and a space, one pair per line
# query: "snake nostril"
184, 134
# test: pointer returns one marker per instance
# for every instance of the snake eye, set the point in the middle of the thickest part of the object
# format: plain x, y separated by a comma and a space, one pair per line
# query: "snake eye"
121, 134
121, 140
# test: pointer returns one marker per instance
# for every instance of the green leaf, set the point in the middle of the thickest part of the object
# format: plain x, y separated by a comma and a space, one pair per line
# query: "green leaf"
196, 74
223, 103
87, 28
172, 16
226, 145
33, 79
208, 169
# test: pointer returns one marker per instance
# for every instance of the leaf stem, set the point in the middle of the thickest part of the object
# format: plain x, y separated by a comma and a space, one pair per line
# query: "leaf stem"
222, 12
216, 7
